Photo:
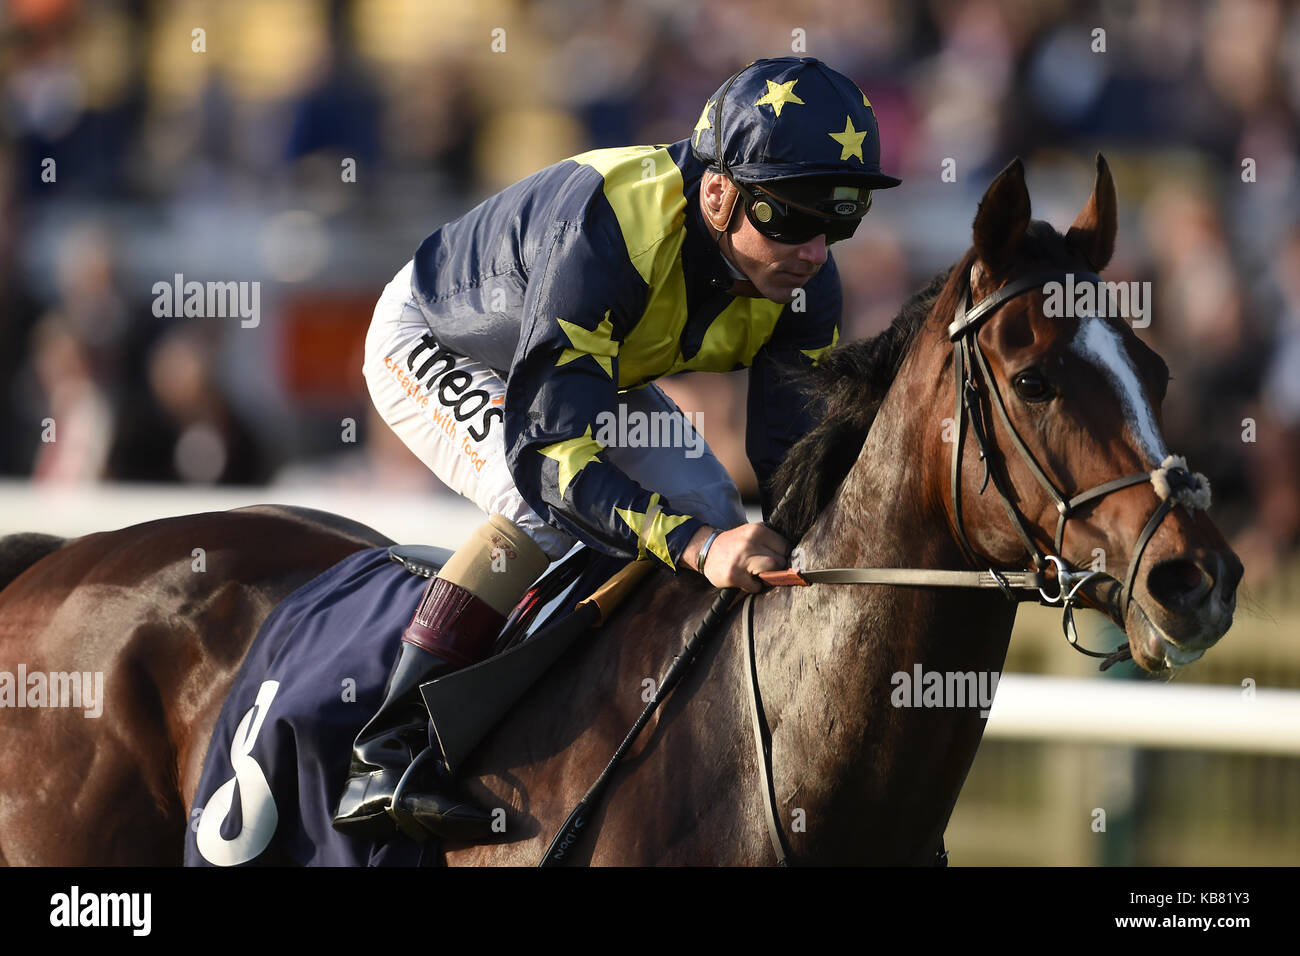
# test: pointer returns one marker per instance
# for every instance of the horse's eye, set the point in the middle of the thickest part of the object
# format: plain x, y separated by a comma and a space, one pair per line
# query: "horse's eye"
1032, 386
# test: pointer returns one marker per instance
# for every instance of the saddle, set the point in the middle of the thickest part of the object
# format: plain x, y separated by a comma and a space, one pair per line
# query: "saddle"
466, 704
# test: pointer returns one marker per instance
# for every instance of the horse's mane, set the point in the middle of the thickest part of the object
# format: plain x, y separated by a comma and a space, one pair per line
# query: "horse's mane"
851, 381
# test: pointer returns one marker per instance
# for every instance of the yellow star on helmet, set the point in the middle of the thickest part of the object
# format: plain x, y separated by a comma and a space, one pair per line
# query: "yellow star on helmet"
652, 527
866, 102
778, 94
599, 344
704, 123
850, 139
572, 455
816, 354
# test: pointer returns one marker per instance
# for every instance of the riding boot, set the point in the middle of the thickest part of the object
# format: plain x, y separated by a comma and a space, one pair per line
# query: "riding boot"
451, 629
455, 625
387, 744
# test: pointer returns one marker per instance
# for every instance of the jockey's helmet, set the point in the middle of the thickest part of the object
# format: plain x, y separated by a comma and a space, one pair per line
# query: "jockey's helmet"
798, 143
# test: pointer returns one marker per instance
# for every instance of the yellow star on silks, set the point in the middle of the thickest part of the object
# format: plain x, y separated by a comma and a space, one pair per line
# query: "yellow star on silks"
850, 139
816, 354
778, 94
704, 123
652, 527
599, 344
572, 455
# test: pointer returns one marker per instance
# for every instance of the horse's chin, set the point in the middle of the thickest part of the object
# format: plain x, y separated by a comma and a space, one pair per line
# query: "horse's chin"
1152, 648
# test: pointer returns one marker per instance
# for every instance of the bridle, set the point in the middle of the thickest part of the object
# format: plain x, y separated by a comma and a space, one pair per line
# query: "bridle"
1173, 483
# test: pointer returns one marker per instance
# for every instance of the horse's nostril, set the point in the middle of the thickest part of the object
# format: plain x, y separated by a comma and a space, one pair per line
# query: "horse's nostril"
1179, 583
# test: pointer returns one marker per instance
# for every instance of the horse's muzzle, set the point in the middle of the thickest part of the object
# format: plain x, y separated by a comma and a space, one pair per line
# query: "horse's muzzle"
1185, 606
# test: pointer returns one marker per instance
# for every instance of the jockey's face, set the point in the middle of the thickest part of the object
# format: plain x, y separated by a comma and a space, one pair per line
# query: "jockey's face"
776, 269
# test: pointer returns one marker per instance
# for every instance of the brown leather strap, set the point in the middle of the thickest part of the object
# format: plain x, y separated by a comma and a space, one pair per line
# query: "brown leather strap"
762, 738
921, 577
783, 579
742, 288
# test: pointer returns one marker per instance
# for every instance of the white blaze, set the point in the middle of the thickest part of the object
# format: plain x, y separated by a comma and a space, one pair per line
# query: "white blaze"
1100, 344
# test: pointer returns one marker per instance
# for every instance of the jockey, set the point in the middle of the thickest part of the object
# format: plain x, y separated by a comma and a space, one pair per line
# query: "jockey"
505, 351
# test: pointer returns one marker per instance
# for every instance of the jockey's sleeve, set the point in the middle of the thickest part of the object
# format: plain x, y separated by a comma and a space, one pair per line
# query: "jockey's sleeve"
779, 412
581, 301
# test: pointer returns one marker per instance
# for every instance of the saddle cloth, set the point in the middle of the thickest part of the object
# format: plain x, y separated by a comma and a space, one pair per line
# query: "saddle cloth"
280, 750
315, 673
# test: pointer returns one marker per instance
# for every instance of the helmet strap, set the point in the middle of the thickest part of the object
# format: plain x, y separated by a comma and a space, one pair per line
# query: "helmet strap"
730, 192
720, 220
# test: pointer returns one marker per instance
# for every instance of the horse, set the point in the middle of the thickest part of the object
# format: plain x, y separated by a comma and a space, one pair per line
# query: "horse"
855, 778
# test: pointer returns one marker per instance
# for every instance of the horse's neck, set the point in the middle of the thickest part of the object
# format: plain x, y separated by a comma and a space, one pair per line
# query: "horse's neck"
829, 653
882, 515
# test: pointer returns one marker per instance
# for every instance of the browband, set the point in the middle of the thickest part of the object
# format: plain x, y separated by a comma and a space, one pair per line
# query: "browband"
969, 319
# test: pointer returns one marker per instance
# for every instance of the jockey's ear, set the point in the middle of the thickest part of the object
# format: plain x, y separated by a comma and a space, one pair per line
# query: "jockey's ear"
718, 196
1002, 218
1093, 234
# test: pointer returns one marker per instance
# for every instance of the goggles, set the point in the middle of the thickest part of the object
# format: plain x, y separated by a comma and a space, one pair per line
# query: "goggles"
783, 219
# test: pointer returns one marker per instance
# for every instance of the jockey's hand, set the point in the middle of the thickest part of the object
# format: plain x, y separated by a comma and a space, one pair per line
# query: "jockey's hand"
737, 555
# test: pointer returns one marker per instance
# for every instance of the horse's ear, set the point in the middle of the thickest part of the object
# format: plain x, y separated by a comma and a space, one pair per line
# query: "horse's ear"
1002, 218
1093, 233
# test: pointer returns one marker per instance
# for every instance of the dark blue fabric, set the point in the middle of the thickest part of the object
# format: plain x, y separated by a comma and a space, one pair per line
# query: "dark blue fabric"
765, 141
340, 630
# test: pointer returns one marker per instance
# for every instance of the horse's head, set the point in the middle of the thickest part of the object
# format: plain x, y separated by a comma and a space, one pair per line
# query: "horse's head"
1082, 393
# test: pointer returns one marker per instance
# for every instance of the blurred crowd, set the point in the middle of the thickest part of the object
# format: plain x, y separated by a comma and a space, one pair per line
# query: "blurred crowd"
310, 145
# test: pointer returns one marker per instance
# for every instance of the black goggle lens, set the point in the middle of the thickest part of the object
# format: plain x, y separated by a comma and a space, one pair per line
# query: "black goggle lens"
781, 223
